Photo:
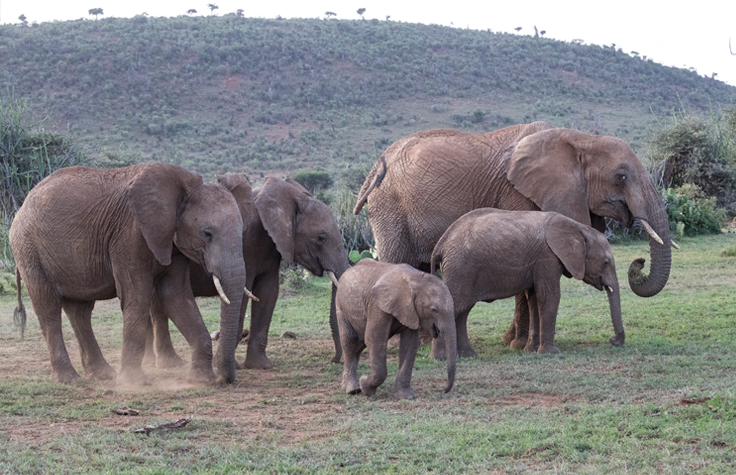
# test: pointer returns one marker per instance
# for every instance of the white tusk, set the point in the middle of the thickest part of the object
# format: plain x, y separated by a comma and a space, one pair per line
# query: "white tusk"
250, 295
649, 230
332, 277
218, 286
609, 289
674, 244
215, 335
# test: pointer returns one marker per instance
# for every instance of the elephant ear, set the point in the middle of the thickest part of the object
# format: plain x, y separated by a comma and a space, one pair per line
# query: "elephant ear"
239, 185
394, 295
298, 185
155, 196
278, 205
548, 168
567, 241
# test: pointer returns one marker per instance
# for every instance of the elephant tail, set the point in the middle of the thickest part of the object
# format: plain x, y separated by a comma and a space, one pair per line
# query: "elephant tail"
374, 178
436, 259
19, 315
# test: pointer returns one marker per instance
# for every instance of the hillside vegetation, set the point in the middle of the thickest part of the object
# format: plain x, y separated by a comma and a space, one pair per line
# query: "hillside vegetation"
258, 95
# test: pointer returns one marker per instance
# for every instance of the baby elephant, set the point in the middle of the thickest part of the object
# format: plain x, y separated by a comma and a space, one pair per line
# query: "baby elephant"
490, 254
376, 301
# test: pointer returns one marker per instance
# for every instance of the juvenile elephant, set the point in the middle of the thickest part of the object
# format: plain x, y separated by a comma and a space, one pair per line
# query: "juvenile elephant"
424, 182
490, 254
376, 301
283, 221
85, 234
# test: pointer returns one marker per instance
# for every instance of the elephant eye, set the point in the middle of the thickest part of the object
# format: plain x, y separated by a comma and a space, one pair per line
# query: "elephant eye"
622, 178
434, 310
606, 262
207, 234
321, 239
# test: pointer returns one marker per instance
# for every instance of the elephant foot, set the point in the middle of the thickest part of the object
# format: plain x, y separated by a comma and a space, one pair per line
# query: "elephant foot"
518, 343
257, 362
201, 375
149, 359
129, 377
405, 393
351, 386
101, 371
531, 346
510, 335
64, 376
336, 358
367, 388
169, 361
618, 340
466, 352
548, 350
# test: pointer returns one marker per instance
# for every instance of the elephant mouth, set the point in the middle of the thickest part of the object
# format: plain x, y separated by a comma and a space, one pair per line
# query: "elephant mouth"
435, 331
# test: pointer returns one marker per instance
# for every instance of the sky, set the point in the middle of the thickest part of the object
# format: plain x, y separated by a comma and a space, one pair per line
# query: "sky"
682, 34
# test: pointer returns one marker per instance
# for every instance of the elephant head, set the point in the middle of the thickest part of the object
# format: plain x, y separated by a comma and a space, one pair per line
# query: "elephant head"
588, 177
417, 299
302, 227
587, 256
174, 207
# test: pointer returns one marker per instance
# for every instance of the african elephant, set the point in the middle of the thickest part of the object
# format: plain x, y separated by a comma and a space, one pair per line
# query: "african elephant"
376, 301
85, 234
283, 221
424, 182
490, 254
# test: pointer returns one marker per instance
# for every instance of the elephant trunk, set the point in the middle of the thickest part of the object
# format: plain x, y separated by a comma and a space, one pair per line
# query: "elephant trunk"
661, 254
233, 283
339, 269
614, 303
448, 330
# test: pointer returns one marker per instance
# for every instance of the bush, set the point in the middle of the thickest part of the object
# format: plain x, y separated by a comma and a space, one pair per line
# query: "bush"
690, 212
693, 150
356, 230
314, 180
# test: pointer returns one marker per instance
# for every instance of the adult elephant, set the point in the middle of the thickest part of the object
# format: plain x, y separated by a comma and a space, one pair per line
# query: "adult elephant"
85, 234
424, 182
283, 222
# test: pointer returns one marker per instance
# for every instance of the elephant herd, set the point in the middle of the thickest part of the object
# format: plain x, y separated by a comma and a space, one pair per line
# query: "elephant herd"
156, 236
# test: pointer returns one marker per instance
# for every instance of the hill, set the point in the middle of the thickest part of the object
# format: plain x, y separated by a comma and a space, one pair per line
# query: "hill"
230, 93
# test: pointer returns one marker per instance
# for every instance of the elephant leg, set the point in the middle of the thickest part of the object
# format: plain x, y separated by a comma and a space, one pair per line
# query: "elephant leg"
335, 328
407, 353
266, 287
149, 357
532, 343
352, 346
48, 309
548, 303
376, 339
135, 292
520, 325
79, 314
165, 354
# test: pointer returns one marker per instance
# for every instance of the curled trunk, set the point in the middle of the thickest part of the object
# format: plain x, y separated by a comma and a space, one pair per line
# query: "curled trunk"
660, 254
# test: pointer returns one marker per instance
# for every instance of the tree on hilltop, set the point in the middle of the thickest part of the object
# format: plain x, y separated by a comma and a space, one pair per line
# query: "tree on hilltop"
191, 11
240, 12
95, 12
330, 14
360, 12
518, 29
212, 7
23, 20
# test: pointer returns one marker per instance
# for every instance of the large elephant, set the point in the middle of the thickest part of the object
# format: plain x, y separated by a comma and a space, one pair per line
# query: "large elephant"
85, 234
283, 221
490, 254
424, 182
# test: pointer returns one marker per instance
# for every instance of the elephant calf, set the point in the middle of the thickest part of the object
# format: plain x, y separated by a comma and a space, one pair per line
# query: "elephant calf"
490, 254
376, 301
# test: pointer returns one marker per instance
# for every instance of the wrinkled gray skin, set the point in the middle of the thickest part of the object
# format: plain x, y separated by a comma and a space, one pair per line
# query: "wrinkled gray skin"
424, 182
376, 301
85, 234
489, 254
283, 221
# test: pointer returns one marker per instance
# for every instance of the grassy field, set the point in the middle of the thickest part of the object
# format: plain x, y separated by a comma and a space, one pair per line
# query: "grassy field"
641, 408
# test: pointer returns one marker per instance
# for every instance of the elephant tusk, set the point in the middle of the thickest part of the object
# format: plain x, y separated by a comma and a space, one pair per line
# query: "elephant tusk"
609, 289
332, 277
218, 286
650, 231
674, 244
250, 295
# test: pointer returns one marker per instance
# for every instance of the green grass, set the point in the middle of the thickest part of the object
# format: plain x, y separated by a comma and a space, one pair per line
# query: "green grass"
593, 409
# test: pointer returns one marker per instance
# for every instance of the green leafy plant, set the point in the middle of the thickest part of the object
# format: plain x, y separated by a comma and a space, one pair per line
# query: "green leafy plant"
356, 256
690, 212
